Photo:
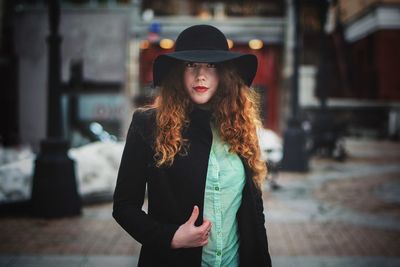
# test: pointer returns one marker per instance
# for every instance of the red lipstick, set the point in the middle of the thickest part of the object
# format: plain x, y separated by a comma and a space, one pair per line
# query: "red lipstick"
200, 89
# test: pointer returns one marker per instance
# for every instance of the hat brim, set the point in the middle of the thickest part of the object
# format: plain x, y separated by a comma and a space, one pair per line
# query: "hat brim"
246, 64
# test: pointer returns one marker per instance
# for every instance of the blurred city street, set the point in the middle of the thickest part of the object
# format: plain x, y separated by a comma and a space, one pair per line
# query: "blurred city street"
338, 214
74, 71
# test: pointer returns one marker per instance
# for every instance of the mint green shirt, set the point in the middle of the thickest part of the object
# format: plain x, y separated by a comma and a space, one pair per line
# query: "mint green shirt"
223, 196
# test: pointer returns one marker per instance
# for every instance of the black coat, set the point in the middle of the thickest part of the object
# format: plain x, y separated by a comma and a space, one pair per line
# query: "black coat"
172, 193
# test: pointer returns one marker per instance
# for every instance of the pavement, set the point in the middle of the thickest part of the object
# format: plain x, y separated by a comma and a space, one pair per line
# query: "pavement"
337, 214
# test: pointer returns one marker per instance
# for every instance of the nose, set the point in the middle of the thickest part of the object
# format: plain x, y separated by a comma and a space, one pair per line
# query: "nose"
201, 72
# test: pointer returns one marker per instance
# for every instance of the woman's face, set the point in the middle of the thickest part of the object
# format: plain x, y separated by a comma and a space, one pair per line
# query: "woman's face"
200, 81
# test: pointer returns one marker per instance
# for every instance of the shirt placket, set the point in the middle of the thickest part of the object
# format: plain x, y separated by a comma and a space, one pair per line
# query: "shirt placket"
217, 211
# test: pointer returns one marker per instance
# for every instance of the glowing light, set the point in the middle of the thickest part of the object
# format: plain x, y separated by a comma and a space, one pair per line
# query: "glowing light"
144, 44
204, 15
256, 44
166, 43
230, 43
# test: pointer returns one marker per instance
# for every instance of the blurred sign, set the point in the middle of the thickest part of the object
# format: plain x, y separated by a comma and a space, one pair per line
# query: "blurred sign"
102, 107
154, 32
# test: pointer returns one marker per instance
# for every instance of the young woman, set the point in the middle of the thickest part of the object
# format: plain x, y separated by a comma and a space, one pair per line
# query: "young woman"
197, 151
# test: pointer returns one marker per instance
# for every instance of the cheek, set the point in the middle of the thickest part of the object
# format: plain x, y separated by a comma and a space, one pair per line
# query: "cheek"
187, 81
215, 82
215, 77
214, 91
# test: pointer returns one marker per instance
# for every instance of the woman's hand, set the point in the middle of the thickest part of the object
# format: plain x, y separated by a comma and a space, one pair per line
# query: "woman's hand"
188, 235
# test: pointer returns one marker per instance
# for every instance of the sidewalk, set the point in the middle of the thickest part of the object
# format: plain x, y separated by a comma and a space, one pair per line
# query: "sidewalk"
338, 214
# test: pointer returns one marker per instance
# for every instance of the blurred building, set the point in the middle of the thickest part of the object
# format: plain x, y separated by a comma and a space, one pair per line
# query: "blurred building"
107, 52
356, 64
372, 31
349, 56
9, 129
95, 38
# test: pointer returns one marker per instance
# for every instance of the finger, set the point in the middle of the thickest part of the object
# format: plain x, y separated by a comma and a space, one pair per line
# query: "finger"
209, 230
206, 220
202, 244
205, 226
194, 215
207, 234
209, 225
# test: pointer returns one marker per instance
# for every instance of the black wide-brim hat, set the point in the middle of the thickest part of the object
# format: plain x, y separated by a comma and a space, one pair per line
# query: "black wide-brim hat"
204, 44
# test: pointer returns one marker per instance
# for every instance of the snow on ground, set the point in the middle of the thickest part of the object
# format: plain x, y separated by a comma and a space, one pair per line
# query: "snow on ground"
97, 166
96, 169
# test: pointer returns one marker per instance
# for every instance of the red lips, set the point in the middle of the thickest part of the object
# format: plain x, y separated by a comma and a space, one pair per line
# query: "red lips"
200, 89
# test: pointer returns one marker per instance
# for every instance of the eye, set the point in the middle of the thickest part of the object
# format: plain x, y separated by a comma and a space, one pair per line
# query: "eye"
211, 65
190, 65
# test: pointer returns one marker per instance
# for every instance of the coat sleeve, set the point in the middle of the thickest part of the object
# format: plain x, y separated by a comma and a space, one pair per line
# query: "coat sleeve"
261, 225
130, 192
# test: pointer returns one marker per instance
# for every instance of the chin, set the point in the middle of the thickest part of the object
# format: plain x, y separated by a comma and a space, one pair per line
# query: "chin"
200, 101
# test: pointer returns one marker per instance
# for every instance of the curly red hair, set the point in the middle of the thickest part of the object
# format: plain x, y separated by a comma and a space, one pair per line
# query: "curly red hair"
235, 111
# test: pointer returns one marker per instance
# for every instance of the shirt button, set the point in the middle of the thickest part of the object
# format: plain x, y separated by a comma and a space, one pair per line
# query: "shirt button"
216, 188
218, 253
